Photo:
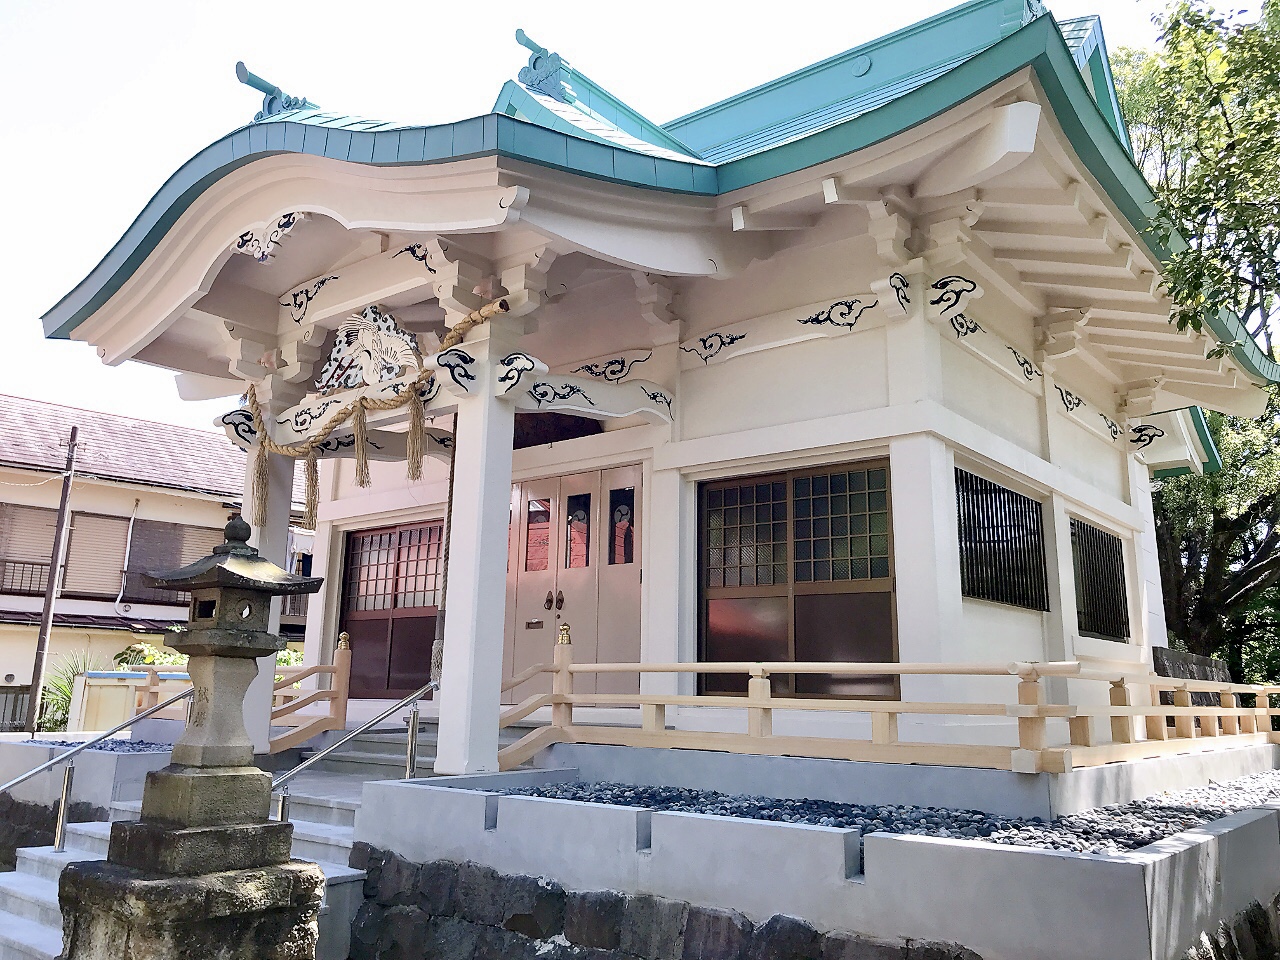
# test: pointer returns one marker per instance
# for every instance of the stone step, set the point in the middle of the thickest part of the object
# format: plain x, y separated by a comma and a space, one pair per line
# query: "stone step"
322, 842
24, 939
125, 810
32, 897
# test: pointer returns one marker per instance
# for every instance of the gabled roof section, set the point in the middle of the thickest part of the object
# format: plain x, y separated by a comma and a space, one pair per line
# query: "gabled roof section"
807, 118
557, 96
1084, 39
851, 83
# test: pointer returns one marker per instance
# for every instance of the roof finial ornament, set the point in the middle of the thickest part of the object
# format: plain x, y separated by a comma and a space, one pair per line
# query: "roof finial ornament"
544, 73
274, 100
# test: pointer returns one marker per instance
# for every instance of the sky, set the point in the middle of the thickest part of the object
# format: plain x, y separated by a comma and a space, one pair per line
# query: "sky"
104, 101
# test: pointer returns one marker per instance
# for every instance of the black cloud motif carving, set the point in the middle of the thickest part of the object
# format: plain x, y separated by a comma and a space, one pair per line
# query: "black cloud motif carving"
514, 366
712, 344
612, 371
842, 313
951, 290
1144, 435
543, 392
456, 362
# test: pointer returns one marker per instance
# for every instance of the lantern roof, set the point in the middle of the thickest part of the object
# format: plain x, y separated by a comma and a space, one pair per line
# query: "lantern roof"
236, 564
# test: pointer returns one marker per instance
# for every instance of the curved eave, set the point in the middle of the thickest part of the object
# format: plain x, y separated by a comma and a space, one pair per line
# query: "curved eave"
1038, 45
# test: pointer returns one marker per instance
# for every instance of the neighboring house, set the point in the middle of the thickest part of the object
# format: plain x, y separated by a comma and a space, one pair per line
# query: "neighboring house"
870, 363
146, 496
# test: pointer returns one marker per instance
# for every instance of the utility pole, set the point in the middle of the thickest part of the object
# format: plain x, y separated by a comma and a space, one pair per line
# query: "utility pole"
52, 586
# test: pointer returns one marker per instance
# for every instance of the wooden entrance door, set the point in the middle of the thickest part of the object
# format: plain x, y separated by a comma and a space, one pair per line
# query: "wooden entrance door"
390, 596
575, 559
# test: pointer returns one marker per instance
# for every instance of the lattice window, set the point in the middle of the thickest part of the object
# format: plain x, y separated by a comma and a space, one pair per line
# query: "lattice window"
745, 526
1102, 600
841, 526
397, 568
1001, 544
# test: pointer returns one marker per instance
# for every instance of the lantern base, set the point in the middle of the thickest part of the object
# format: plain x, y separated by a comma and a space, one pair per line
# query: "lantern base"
157, 849
114, 912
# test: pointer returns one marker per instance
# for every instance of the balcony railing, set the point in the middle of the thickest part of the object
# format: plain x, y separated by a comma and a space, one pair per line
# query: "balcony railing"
295, 605
22, 576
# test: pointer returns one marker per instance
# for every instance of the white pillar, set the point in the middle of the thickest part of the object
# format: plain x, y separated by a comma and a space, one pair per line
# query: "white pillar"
272, 540
663, 587
1149, 627
926, 559
471, 679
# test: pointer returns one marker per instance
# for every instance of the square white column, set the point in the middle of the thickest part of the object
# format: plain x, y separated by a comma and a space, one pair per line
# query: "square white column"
471, 679
926, 559
272, 541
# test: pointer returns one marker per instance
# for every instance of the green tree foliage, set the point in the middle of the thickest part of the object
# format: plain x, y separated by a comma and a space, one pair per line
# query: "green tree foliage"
1204, 116
1203, 113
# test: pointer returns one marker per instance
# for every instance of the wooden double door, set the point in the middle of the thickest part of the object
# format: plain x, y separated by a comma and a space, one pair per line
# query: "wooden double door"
575, 558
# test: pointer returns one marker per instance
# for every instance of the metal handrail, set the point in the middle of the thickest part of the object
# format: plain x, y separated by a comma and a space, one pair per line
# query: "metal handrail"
63, 757
364, 727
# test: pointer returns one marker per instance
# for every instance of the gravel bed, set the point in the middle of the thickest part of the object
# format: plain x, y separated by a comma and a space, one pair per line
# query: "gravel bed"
1103, 830
113, 745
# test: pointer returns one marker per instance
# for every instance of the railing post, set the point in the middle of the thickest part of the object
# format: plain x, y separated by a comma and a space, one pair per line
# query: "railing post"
1209, 724
1121, 727
1031, 730
411, 752
1157, 726
1249, 722
884, 728
1229, 701
60, 825
1081, 729
759, 695
341, 681
1184, 725
562, 679
653, 717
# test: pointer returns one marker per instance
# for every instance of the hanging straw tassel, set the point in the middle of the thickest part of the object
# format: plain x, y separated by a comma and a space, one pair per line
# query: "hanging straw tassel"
360, 427
417, 438
261, 486
313, 489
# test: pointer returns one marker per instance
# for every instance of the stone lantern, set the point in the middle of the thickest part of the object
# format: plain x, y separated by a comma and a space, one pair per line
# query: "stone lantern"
205, 867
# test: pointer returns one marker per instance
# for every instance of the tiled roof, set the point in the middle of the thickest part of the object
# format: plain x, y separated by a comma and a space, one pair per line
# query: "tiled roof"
32, 434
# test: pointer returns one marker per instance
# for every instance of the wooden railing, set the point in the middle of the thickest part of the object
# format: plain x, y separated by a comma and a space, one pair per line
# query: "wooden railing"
1193, 728
289, 698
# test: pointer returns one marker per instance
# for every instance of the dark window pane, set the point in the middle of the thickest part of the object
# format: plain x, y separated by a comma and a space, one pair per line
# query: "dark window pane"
577, 531
877, 479
752, 629
839, 482
849, 627
801, 486
622, 516
537, 551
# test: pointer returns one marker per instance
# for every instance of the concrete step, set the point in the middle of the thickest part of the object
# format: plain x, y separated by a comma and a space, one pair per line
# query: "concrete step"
24, 939
322, 842
47, 863
32, 897
372, 766
339, 813
90, 838
125, 810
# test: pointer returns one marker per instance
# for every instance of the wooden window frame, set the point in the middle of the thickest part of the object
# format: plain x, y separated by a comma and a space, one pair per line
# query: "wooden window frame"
784, 685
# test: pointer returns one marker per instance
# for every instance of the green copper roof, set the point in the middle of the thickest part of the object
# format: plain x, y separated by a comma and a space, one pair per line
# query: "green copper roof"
801, 120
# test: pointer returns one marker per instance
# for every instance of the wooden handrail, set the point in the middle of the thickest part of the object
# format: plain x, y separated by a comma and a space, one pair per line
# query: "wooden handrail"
525, 675
291, 675
336, 696
1196, 728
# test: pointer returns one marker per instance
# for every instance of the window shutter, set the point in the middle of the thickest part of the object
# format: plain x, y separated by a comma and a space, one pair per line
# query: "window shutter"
26, 533
198, 542
161, 546
95, 556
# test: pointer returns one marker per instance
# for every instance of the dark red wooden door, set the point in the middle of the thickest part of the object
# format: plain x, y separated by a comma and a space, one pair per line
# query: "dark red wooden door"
391, 589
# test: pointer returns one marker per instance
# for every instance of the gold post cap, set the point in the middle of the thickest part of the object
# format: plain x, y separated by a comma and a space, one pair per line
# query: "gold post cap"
344, 641
564, 634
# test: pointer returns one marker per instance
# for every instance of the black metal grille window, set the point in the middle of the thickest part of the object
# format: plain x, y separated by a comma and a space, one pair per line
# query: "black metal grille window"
1102, 602
1001, 544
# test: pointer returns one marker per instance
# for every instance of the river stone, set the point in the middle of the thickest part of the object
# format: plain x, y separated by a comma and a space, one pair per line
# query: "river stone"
479, 894
437, 888
397, 882
365, 929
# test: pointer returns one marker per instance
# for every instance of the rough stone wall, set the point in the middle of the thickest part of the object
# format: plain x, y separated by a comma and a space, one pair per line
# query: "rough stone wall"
24, 824
1252, 934
1189, 666
459, 911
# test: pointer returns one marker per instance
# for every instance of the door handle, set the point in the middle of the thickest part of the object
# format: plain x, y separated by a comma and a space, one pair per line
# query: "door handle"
546, 604
559, 599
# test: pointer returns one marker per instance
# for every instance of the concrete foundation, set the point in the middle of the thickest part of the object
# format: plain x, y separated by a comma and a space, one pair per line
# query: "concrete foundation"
1044, 795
